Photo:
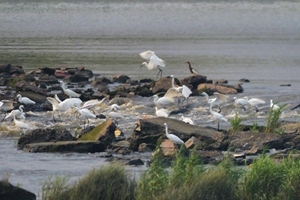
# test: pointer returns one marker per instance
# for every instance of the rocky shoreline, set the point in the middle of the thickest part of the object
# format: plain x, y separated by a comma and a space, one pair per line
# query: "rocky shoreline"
149, 133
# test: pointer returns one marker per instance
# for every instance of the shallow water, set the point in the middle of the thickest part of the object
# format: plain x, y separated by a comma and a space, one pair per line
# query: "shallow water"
257, 40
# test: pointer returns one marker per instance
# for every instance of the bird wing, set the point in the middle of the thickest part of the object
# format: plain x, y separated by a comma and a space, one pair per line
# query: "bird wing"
172, 92
147, 54
221, 97
186, 92
256, 101
157, 61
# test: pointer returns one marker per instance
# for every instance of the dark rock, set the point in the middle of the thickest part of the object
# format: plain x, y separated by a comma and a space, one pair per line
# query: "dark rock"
152, 129
22, 86
143, 90
10, 192
45, 78
146, 80
29, 78
221, 81
78, 78
120, 78
17, 70
44, 135
48, 71
5, 68
66, 146
194, 80
257, 141
244, 80
135, 162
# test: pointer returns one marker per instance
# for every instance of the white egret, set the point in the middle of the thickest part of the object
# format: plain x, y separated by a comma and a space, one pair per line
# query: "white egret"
187, 120
64, 105
19, 114
172, 137
254, 102
217, 116
87, 114
154, 61
21, 125
69, 92
162, 112
273, 106
241, 102
113, 114
174, 92
192, 70
163, 101
25, 100
217, 101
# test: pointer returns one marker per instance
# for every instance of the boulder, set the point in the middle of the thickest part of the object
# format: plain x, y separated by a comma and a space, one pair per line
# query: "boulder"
152, 129
257, 141
65, 147
22, 86
120, 78
44, 135
162, 85
78, 78
104, 132
211, 88
10, 192
5, 68
48, 71
194, 80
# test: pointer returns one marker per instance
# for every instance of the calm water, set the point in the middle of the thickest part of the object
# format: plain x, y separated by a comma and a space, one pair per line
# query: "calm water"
231, 40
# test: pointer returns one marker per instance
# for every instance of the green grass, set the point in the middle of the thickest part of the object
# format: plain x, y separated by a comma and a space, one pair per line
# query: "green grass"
236, 124
109, 183
273, 119
186, 179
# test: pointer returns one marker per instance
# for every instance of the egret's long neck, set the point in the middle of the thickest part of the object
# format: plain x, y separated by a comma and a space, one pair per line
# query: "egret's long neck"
167, 131
21, 109
206, 96
63, 86
173, 86
210, 108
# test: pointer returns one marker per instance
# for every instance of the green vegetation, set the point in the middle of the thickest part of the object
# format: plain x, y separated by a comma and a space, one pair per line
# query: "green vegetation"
254, 127
273, 119
187, 179
236, 123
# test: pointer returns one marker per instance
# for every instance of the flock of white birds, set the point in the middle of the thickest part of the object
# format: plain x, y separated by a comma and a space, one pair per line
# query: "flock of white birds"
175, 97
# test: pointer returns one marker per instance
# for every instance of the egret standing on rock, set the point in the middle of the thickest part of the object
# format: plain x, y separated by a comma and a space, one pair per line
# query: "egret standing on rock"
217, 116
25, 100
154, 61
69, 92
172, 137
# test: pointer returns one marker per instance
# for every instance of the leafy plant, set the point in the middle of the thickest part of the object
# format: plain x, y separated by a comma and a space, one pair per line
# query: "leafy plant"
236, 123
273, 119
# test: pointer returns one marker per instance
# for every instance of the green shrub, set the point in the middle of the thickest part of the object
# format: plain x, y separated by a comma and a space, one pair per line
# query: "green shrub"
273, 119
107, 183
262, 181
236, 123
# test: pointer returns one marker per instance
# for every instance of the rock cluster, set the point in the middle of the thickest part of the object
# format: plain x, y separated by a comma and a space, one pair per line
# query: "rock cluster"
149, 133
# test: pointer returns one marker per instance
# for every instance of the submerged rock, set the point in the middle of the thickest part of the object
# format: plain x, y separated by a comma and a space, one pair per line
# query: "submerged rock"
66, 146
10, 192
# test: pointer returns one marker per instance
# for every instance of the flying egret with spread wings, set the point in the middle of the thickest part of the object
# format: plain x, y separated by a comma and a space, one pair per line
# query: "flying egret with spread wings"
154, 62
